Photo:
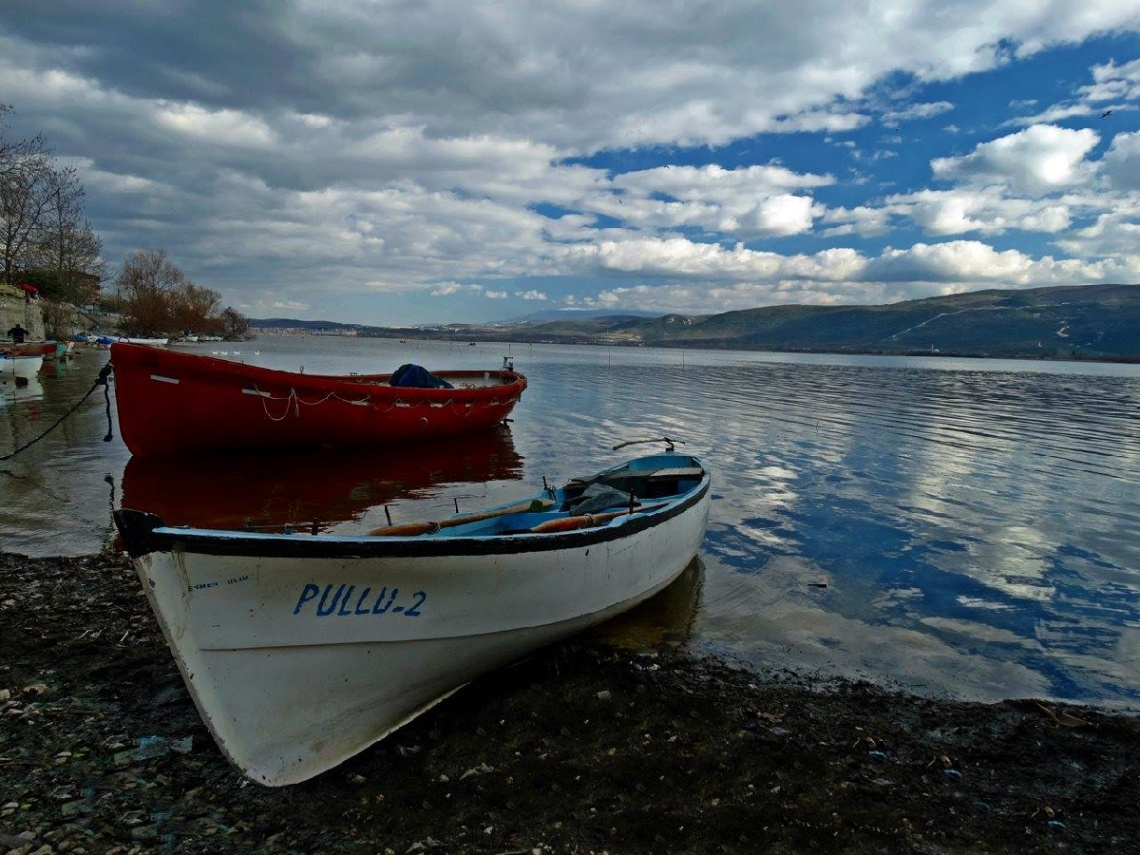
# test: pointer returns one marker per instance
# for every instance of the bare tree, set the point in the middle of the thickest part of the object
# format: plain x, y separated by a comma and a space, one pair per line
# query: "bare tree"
59, 319
154, 298
24, 197
236, 324
43, 234
68, 250
145, 287
195, 309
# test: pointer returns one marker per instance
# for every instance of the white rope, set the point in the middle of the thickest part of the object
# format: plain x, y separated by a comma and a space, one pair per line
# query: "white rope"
261, 396
293, 402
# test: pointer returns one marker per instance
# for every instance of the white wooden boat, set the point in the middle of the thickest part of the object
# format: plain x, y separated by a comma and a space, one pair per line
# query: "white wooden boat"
107, 341
301, 650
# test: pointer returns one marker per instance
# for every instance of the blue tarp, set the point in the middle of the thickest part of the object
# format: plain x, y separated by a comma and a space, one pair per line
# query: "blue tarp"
416, 377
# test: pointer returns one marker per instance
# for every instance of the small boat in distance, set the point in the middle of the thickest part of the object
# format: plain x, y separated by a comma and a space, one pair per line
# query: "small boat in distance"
42, 349
107, 341
172, 402
301, 650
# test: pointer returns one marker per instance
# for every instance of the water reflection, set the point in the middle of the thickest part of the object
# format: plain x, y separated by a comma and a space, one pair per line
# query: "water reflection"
309, 487
666, 619
19, 382
958, 521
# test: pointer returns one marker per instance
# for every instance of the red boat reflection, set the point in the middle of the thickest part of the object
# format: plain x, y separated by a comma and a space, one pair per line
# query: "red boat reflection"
329, 486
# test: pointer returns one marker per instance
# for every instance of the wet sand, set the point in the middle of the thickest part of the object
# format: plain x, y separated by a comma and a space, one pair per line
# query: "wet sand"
583, 748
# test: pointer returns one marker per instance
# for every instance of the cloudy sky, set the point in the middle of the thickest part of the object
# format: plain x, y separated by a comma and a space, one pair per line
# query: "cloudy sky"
416, 162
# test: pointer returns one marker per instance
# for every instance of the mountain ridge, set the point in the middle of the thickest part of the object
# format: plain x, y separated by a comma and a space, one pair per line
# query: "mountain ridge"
1100, 322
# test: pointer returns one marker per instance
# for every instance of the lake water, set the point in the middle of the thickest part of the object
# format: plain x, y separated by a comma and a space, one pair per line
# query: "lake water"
961, 527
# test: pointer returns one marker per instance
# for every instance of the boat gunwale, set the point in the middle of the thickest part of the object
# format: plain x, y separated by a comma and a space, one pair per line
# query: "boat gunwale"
144, 533
203, 368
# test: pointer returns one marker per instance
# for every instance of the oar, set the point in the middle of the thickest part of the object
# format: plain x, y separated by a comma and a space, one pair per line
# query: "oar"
533, 506
590, 520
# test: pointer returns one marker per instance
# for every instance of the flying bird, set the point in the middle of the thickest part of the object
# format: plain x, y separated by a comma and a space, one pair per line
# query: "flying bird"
1105, 113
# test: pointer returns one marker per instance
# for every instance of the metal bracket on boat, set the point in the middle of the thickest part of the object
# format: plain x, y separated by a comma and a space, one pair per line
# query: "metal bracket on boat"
669, 443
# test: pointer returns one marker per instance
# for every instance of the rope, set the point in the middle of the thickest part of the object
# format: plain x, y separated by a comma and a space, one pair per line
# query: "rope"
293, 402
288, 400
101, 380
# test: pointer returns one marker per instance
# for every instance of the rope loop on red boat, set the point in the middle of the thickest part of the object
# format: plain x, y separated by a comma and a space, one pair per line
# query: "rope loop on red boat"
290, 404
293, 402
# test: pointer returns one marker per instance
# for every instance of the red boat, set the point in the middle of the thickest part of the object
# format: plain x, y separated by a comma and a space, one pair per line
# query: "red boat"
171, 402
28, 348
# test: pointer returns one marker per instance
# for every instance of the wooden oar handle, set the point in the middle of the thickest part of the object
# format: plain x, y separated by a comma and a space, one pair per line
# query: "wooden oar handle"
590, 520
406, 530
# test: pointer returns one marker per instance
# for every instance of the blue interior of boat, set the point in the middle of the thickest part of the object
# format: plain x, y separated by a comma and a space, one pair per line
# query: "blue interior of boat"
645, 484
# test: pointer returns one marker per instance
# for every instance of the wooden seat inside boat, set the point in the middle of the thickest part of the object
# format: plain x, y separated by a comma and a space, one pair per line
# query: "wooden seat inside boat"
642, 483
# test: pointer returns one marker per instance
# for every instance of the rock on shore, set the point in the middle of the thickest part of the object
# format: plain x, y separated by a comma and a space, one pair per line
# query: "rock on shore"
580, 749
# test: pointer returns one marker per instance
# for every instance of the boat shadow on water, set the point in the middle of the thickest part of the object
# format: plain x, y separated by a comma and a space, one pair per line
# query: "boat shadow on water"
666, 619
321, 487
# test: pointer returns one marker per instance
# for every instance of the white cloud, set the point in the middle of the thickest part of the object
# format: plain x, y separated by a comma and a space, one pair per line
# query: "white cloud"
1039, 160
861, 220
785, 215
717, 279
917, 111
985, 209
215, 127
750, 201
1112, 82
1113, 237
1052, 115
1113, 87
1121, 164
530, 295
965, 265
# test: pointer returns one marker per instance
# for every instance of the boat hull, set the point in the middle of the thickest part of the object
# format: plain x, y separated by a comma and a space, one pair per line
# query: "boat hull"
302, 651
171, 403
42, 349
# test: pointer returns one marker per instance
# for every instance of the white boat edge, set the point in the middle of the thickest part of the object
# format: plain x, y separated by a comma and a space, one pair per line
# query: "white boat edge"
288, 693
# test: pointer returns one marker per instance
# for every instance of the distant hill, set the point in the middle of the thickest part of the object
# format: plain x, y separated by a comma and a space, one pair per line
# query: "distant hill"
297, 324
1089, 321
1065, 322
574, 315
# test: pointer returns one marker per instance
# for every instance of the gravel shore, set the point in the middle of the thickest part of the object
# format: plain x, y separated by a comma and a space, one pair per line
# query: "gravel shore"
582, 748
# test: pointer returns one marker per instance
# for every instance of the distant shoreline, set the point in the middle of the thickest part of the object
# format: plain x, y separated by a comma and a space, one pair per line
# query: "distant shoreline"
484, 337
